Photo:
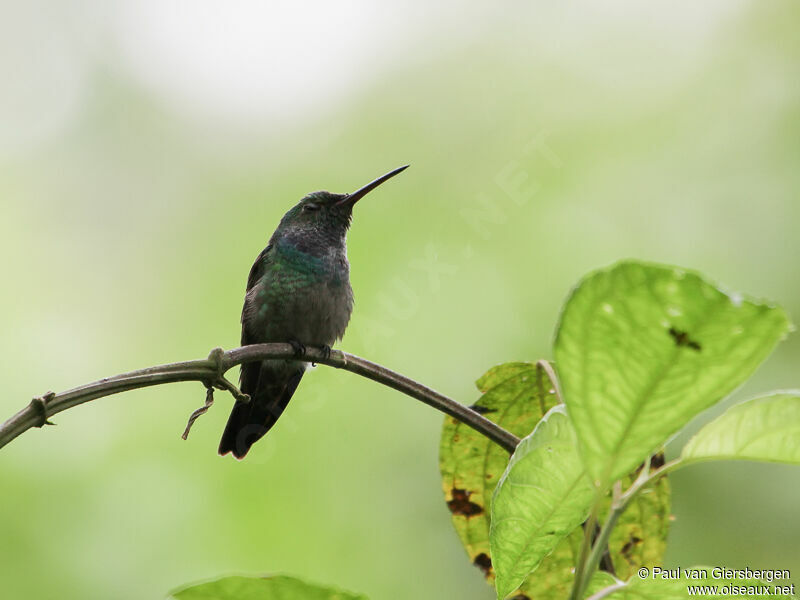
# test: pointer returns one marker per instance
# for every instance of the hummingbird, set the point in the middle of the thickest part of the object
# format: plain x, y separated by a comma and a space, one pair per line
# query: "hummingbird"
298, 292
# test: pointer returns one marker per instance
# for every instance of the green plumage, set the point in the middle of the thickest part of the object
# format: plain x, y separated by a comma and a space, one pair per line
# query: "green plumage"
298, 292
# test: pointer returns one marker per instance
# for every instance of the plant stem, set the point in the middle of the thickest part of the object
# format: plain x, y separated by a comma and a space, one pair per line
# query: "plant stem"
580, 567
600, 545
618, 505
211, 370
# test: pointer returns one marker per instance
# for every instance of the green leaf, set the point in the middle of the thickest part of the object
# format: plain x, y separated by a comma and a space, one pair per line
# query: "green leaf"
765, 429
674, 584
278, 587
643, 348
542, 497
516, 396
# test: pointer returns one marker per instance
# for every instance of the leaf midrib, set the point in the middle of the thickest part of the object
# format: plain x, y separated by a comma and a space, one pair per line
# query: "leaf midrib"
554, 508
655, 380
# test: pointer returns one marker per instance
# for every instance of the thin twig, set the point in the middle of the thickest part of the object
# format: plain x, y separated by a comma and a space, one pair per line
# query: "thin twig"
545, 366
200, 411
211, 369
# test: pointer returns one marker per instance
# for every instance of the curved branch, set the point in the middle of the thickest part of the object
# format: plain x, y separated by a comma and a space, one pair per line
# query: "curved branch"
212, 369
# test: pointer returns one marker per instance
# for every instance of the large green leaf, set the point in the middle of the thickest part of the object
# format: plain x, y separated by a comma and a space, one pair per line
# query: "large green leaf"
766, 429
680, 584
643, 348
516, 396
541, 498
278, 587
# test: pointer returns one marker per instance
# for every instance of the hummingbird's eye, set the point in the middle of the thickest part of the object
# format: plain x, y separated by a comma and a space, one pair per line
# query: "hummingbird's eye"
310, 206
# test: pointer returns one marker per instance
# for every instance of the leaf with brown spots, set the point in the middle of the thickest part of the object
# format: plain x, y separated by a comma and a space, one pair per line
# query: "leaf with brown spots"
516, 396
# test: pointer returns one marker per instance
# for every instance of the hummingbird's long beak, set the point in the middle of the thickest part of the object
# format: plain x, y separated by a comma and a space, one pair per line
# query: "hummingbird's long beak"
361, 192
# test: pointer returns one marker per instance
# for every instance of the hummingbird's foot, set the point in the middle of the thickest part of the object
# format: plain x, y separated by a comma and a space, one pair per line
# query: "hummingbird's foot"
326, 351
299, 348
40, 404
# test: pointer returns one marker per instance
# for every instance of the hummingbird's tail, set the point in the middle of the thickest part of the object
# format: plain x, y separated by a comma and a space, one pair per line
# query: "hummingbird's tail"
269, 393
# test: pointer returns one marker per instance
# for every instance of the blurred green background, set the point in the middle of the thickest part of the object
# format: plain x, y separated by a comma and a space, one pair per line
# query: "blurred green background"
147, 151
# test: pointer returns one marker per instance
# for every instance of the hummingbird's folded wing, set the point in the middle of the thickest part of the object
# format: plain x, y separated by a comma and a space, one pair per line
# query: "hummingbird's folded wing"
249, 376
258, 268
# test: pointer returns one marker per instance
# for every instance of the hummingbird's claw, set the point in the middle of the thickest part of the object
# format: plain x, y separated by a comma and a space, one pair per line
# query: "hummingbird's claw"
326, 351
299, 348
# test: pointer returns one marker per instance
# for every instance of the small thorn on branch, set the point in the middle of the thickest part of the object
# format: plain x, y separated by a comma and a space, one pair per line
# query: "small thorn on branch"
200, 411
40, 405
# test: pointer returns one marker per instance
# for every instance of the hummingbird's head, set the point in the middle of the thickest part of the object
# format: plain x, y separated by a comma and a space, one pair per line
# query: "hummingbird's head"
322, 218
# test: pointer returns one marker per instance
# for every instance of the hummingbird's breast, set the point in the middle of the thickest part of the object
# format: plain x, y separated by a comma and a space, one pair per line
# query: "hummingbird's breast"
301, 297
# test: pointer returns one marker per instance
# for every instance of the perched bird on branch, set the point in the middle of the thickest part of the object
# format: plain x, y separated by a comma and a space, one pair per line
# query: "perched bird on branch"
298, 292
